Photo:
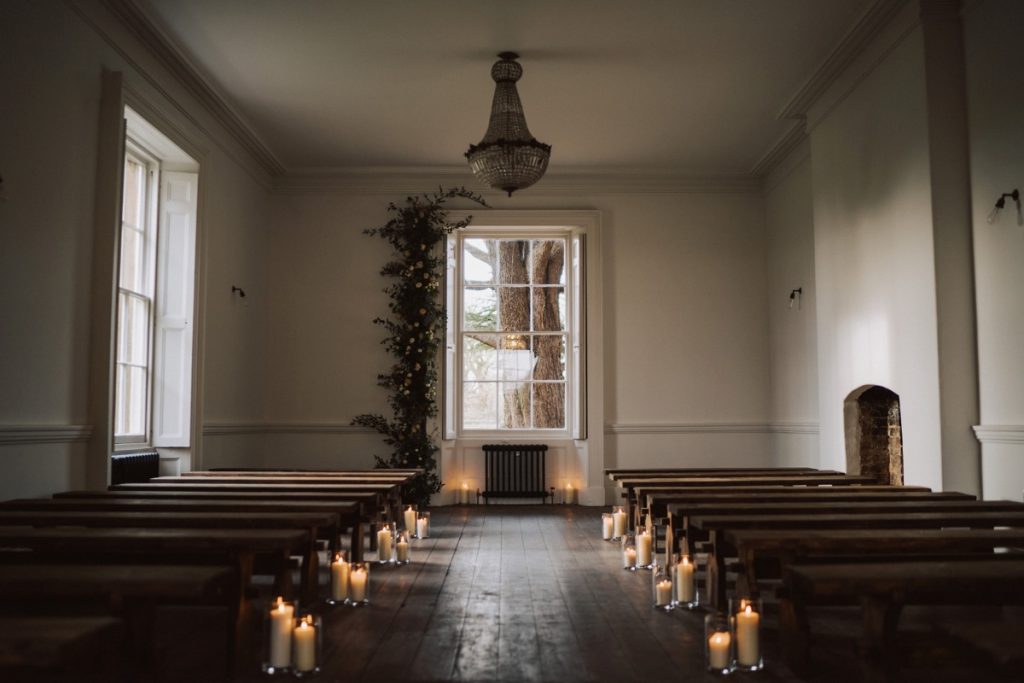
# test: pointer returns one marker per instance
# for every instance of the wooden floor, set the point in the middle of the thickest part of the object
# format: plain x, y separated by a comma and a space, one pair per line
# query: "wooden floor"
520, 593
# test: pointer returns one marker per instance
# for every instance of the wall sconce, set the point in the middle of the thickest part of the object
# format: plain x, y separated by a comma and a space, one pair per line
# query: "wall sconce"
795, 296
1001, 204
239, 291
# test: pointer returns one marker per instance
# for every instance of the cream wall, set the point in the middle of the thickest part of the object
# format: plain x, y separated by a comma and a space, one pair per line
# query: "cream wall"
792, 333
684, 328
52, 55
994, 64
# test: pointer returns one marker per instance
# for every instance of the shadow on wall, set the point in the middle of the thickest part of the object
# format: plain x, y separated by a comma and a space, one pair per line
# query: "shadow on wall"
874, 434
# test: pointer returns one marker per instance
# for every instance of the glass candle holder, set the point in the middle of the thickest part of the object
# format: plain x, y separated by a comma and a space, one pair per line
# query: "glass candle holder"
684, 576
278, 622
629, 552
607, 526
423, 525
340, 568
403, 550
645, 548
746, 614
619, 526
307, 644
359, 584
386, 543
409, 520
571, 494
718, 643
661, 584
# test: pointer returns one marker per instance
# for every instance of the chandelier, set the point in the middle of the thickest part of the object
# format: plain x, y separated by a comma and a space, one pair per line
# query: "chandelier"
509, 158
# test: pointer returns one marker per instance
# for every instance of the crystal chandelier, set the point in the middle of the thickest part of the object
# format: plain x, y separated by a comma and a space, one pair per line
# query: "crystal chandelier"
509, 158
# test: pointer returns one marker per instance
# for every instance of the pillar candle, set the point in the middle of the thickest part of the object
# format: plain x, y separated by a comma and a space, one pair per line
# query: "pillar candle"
384, 545
570, 494
629, 557
358, 581
410, 519
402, 550
281, 634
663, 593
423, 527
748, 647
718, 650
464, 494
685, 588
620, 523
607, 526
339, 579
643, 549
305, 646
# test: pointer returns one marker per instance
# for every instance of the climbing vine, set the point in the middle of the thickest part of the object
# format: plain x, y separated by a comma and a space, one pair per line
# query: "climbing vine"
415, 331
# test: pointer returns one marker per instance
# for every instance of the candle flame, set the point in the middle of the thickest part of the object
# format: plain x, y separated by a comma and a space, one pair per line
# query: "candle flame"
686, 559
303, 625
280, 607
747, 610
465, 485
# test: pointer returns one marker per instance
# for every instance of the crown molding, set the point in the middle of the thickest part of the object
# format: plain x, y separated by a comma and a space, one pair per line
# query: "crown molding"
241, 428
32, 434
149, 33
406, 180
842, 56
1012, 434
781, 150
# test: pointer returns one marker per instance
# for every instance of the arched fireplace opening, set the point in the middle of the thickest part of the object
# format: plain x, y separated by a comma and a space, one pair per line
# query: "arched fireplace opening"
874, 434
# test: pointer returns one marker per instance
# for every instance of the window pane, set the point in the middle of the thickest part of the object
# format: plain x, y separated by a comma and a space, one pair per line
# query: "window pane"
132, 263
132, 330
479, 257
549, 406
480, 309
131, 401
480, 405
548, 262
515, 361
549, 309
513, 257
515, 405
550, 357
514, 309
480, 357
131, 207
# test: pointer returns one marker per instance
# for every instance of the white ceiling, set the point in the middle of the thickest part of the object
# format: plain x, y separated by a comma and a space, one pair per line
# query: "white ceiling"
686, 85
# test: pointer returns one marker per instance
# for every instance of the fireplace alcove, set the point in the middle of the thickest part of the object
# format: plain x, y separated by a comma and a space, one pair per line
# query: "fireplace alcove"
874, 434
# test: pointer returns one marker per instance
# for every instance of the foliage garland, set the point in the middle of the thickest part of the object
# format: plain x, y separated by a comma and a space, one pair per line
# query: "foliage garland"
415, 330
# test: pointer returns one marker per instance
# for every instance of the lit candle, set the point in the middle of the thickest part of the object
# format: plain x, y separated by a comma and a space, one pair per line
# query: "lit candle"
305, 645
643, 548
607, 526
620, 522
570, 494
402, 550
685, 588
339, 579
358, 581
748, 647
464, 493
281, 634
384, 545
423, 527
718, 650
629, 557
410, 519
663, 593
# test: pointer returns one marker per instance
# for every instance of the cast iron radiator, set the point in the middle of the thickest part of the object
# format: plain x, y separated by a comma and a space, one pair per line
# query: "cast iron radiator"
130, 468
514, 471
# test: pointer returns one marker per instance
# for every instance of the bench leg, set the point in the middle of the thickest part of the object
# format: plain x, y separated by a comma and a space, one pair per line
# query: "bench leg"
880, 620
358, 539
311, 573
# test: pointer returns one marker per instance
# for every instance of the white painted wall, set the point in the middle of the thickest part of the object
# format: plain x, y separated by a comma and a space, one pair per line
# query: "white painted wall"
792, 330
996, 102
874, 263
51, 61
684, 328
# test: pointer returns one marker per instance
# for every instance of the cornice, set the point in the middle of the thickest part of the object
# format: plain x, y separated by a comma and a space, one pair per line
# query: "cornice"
402, 180
33, 434
842, 56
1011, 434
181, 67
782, 148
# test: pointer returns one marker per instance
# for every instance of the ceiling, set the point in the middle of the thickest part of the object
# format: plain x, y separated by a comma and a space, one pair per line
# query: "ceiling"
682, 85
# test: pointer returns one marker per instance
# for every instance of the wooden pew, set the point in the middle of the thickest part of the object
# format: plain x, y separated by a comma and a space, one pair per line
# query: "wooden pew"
317, 524
236, 547
69, 648
825, 519
616, 475
406, 475
882, 589
369, 501
126, 591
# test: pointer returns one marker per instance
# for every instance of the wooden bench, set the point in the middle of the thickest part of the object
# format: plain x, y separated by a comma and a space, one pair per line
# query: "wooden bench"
37, 648
882, 589
616, 475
